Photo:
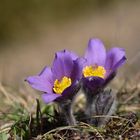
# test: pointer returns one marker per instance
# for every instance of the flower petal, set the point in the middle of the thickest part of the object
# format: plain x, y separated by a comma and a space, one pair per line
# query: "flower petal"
77, 69
50, 97
92, 84
120, 63
109, 78
46, 73
72, 54
40, 83
115, 58
71, 91
95, 53
63, 64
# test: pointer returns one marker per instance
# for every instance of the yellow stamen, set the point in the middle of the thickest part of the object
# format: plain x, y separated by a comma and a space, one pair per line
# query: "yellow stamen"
60, 86
98, 71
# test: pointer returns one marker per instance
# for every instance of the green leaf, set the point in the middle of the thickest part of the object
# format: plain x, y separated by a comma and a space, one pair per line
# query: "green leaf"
4, 136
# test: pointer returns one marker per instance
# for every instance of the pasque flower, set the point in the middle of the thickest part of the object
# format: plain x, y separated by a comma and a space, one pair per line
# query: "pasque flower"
60, 82
100, 68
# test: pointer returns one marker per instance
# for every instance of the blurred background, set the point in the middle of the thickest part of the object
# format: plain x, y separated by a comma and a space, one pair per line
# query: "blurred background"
31, 31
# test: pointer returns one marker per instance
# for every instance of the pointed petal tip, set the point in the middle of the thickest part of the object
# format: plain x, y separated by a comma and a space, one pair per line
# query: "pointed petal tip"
95, 40
27, 79
95, 52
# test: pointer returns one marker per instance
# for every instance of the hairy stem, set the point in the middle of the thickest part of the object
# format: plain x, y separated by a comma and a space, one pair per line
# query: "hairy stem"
66, 108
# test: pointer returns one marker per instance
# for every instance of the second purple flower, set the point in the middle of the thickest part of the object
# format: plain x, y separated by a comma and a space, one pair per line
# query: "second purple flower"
101, 66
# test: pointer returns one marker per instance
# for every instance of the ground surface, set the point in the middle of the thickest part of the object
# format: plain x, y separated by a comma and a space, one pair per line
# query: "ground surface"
27, 118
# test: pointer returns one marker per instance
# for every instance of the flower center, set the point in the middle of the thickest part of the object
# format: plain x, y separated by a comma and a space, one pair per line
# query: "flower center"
60, 86
95, 70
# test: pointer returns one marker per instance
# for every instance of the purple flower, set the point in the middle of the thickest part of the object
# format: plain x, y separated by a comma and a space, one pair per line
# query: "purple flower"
101, 66
61, 81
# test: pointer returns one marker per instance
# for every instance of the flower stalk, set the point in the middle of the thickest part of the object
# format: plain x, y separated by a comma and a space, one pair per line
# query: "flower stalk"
67, 110
90, 99
102, 104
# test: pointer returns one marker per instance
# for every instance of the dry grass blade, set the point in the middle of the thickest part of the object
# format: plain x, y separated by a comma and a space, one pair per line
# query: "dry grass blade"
135, 94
